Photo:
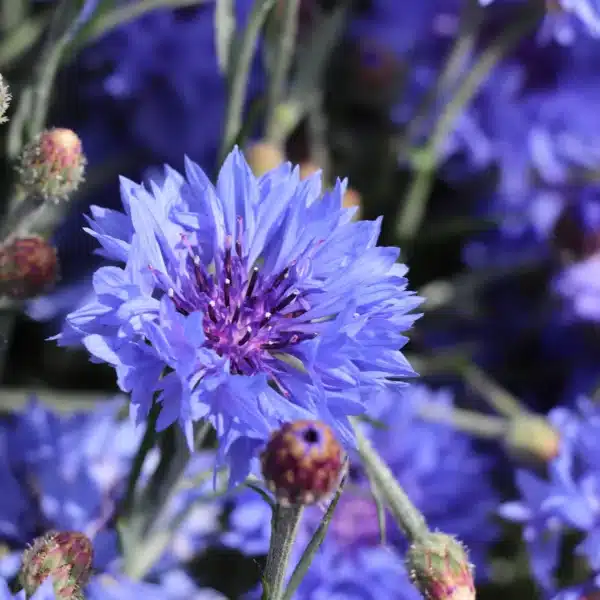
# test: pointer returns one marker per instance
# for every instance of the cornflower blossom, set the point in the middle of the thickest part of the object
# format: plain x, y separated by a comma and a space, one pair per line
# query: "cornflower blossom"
565, 20
251, 303
437, 466
48, 486
564, 501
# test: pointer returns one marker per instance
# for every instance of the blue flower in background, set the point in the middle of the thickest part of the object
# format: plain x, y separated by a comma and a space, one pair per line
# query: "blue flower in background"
161, 71
45, 592
437, 466
568, 499
69, 473
263, 299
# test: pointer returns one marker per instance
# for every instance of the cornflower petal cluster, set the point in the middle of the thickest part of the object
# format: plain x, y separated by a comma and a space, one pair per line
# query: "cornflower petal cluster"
568, 499
251, 303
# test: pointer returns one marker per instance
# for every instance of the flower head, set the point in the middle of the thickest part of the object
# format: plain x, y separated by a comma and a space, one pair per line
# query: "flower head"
302, 462
64, 556
262, 298
52, 165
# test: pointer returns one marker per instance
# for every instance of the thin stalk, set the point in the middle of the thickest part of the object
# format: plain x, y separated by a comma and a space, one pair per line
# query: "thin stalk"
12, 14
238, 77
474, 423
285, 55
314, 544
413, 209
497, 397
283, 534
409, 518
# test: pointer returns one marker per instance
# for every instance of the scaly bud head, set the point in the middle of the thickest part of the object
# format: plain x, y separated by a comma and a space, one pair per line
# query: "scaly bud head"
5, 99
302, 462
532, 438
28, 267
53, 164
263, 157
66, 556
439, 567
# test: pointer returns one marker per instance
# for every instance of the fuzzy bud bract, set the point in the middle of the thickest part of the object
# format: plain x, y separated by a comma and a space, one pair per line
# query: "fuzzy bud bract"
66, 556
28, 267
302, 462
52, 165
439, 567
5, 98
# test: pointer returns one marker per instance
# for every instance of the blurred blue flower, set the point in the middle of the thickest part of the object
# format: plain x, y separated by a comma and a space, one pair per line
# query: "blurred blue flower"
44, 592
49, 486
437, 466
567, 499
175, 586
262, 298
161, 71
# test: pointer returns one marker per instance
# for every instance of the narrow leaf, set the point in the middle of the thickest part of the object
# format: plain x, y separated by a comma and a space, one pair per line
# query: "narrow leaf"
224, 32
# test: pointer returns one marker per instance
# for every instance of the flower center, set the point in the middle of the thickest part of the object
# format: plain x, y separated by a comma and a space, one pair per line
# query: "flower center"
248, 314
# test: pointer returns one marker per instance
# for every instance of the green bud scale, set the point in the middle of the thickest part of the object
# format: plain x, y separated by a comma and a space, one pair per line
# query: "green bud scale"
439, 567
66, 556
52, 165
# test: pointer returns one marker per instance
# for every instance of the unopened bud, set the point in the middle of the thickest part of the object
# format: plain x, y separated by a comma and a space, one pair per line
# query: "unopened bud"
5, 99
52, 165
263, 157
28, 267
302, 462
307, 169
66, 556
439, 567
352, 199
532, 438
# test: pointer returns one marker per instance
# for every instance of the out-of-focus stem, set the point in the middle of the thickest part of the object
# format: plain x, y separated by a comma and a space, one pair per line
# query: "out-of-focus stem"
285, 55
241, 61
468, 421
12, 13
413, 209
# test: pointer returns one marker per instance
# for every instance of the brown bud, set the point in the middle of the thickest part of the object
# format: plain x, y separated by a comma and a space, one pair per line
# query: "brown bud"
28, 267
531, 438
263, 157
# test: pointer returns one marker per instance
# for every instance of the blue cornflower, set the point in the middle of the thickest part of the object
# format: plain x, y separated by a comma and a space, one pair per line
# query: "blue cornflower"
437, 466
48, 486
159, 74
567, 499
262, 299
44, 592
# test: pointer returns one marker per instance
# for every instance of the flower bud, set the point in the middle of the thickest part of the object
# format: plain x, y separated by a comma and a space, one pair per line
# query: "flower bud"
263, 157
532, 438
66, 556
5, 98
53, 164
28, 267
302, 462
439, 567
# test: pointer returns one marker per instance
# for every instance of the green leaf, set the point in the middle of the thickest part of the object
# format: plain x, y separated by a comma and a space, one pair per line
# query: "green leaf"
224, 31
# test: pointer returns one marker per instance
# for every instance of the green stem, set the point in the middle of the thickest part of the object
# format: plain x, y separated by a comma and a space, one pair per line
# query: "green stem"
408, 517
285, 55
474, 423
123, 14
413, 210
283, 534
12, 13
241, 61
497, 397
312, 547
